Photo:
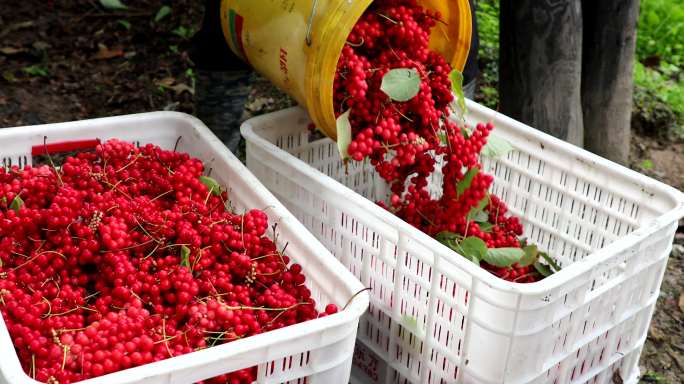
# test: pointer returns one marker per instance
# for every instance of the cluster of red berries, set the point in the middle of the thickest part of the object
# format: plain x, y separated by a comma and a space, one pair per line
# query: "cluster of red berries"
126, 256
406, 141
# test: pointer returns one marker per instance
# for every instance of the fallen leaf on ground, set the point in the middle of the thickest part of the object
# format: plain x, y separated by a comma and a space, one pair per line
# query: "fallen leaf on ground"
9, 76
170, 83
656, 334
36, 70
113, 4
678, 358
180, 88
105, 53
166, 82
681, 301
40, 45
16, 26
11, 50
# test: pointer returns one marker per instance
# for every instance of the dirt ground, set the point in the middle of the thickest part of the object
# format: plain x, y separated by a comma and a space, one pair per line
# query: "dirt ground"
62, 61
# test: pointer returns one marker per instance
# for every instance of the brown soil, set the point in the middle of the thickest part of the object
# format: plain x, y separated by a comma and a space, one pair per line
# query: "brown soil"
62, 61
662, 359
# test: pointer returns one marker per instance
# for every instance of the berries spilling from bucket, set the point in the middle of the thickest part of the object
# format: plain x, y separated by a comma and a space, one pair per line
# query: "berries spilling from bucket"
126, 256
393, 100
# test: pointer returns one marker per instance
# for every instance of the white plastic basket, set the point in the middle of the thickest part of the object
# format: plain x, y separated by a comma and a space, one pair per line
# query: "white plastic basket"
437, 318
317, 351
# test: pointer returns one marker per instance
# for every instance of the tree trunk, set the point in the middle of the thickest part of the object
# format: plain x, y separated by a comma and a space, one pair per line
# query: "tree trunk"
608, 59
540, 65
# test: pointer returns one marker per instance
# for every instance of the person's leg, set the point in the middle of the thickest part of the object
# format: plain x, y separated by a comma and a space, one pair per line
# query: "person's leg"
223, 79
469, 89
471, 70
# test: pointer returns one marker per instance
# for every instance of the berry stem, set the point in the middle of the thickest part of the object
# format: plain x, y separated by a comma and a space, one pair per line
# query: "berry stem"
162, 195
52, 163
33, 366
165, 340
387, 18
354, 296
130, 163
65, 348
356, 44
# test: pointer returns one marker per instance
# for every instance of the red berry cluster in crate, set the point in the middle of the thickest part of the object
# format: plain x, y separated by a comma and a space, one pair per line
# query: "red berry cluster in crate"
127, 256
394, 96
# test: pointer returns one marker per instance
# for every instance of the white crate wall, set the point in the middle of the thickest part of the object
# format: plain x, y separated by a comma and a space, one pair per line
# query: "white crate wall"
318, 351
612, 238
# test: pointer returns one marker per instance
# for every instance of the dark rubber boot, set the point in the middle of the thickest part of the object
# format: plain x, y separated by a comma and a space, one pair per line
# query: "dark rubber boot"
223, 79
220, 102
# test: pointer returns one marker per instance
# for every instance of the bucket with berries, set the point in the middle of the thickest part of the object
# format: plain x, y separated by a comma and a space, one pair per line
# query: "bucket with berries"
297, 44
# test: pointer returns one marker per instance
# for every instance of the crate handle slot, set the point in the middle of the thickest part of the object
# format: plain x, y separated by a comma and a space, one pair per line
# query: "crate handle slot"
64, 146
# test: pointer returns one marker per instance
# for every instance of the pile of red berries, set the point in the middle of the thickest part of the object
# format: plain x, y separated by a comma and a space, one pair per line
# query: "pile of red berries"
126, 256
406, 140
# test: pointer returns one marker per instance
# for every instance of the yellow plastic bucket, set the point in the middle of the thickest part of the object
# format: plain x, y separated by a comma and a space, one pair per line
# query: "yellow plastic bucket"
296, 43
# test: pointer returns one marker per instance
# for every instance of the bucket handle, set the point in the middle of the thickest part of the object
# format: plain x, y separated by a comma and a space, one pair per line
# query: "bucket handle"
309, 26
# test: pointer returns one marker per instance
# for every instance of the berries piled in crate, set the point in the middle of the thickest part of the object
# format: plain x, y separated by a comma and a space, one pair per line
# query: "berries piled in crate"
393, 102
125, 255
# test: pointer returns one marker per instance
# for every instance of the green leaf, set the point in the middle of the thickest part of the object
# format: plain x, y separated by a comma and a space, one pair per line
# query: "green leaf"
190, 73
647, 164
445, 236
124, 23
496, 147
652, 18
442, 137
466, 181
212, 185
477, 212
113, 4
531, 256
182, 32
415, 330
452, 241
164, 11
449, 239
480, 217
456, 78
473, 248
551, 261
36, 70
185, 256
543, 269
411, 324
344, 134
486, 227
401, 84
465, 131
504, 257
16, 203
9, 76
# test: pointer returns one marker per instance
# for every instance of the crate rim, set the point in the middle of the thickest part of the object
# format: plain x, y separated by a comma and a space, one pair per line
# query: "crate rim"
355, 308
542, 287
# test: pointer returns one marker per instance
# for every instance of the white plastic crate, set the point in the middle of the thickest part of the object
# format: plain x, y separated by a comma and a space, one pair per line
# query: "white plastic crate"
610, 228
317, 351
